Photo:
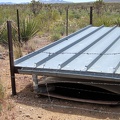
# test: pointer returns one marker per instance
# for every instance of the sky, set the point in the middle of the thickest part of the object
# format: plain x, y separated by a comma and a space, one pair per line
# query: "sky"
20, 1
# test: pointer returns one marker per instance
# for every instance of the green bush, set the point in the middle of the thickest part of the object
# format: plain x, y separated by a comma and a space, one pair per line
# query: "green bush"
104, 20
55, 37
3, 35
59, 29
29, 28
117, 21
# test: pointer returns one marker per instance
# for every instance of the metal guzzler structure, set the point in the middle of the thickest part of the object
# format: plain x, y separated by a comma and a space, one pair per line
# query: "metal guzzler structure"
90, 55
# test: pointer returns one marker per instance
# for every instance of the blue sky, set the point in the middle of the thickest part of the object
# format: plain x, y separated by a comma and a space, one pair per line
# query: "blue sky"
19, 1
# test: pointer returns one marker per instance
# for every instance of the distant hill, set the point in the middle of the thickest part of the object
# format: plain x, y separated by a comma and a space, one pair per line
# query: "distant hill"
112, 1
42, 1
53, 1
9, 3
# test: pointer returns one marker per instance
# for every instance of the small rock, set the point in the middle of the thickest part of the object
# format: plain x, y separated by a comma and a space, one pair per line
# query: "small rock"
27, 115
20, 111
39, 117
31, 109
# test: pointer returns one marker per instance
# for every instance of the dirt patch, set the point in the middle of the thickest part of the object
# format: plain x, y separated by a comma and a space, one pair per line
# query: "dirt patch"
26, 105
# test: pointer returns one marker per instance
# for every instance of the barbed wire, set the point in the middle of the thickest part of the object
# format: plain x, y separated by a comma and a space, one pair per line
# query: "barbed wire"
87, 53
82, 53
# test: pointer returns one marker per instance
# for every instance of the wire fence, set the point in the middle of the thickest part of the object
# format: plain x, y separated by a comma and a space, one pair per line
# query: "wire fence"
88, 53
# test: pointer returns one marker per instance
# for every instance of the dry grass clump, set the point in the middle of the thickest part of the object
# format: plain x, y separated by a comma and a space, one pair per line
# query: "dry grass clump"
1, 95
17, 51
2, 49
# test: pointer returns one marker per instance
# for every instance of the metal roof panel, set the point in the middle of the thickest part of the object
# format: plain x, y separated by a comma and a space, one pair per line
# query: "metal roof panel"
91, 49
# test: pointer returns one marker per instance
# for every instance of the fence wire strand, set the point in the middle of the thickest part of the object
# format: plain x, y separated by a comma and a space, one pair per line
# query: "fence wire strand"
74, 53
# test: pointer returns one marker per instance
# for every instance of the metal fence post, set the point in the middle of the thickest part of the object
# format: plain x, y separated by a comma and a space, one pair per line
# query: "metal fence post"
11, 59
18, 23
91, 15
67, 21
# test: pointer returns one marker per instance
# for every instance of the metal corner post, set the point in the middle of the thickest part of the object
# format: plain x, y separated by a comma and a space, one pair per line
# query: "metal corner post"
91, 15
11, 59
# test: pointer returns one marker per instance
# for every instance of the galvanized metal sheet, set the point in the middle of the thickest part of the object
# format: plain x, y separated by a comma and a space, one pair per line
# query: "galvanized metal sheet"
91, 49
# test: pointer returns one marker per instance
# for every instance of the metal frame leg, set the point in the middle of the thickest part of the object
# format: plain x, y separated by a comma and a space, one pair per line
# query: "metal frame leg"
35, 82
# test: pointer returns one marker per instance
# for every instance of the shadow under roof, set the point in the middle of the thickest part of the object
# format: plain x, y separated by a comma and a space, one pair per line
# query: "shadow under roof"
90, 53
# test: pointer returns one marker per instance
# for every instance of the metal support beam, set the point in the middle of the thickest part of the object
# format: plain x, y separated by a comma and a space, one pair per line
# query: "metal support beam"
91, 15
9, 29
35, 82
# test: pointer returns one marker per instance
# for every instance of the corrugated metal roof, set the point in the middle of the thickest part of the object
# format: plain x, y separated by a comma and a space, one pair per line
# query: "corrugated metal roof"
91, 51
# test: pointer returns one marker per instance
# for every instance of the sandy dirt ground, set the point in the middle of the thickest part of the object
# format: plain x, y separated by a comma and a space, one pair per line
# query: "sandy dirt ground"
26, 105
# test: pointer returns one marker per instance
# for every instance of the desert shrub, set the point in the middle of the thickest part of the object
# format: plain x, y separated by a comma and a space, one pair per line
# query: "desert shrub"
117, 21
55, 15
55, 37
104, 20
1, 95
1, 91
58, 28
29, 28
74, 14
17, 50
3, 33
36, 6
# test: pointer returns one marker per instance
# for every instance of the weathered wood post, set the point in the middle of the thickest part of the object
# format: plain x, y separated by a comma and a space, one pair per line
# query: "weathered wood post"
11, 59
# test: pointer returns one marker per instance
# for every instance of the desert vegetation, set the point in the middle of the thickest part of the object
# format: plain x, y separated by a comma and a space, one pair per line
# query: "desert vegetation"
37, 19
50, 19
